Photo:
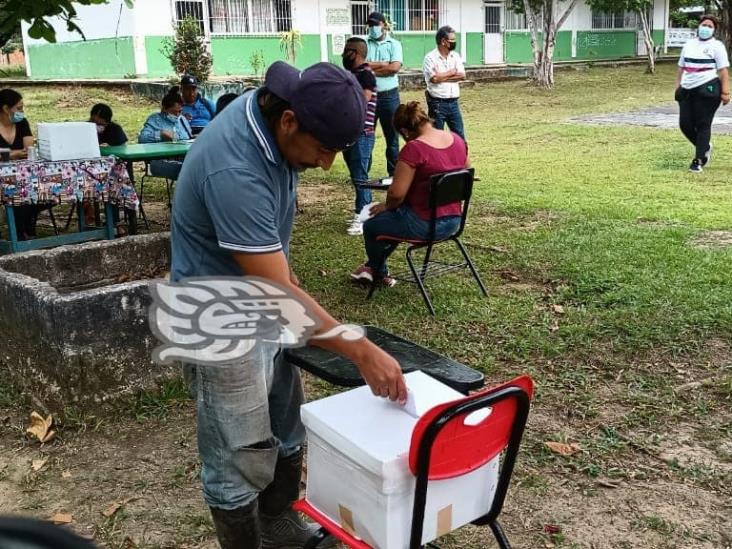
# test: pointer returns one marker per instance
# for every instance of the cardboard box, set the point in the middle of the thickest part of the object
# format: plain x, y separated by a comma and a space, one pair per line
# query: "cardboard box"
358, 473
68, 140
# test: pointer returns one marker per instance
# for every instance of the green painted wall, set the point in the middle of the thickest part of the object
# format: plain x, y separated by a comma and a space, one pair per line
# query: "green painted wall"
474, 48
605, 44
231, 54
157, 64
658, 37
518, 46
103, 58
415, 46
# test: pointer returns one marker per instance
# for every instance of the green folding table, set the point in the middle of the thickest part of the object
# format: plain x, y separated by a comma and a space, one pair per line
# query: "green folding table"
145, 152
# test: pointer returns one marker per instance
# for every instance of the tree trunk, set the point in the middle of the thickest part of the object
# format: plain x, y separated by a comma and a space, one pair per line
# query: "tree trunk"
533, 24
650, 46
545, 75
546, 71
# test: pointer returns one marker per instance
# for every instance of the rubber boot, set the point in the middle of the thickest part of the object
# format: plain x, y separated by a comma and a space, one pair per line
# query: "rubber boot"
282, 528
238, 528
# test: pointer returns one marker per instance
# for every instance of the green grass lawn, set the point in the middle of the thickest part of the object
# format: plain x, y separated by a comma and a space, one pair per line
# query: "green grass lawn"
584, 235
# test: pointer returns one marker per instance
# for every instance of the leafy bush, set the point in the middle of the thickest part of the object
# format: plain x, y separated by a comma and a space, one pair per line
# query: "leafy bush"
187, 51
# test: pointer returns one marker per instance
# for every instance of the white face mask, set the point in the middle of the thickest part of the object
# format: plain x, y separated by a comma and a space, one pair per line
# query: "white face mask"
705, 33
100, 129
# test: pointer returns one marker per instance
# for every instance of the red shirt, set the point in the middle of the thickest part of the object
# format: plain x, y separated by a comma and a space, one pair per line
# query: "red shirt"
428, 161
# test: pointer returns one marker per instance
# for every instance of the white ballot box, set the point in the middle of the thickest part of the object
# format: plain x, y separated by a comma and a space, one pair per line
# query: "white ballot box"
358, 472
67, 140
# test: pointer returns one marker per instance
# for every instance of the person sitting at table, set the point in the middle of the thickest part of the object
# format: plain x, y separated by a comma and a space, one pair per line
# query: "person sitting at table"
406, 212
16, 135
166, 125
109, 133
198, 110
224, 100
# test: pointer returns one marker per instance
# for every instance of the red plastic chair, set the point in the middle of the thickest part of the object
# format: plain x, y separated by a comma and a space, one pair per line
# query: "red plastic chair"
443, 447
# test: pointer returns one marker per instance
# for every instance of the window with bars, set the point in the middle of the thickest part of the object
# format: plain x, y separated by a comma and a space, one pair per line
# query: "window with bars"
236, 17
411, 15
360, 10
608, 21
515, 21
192, 9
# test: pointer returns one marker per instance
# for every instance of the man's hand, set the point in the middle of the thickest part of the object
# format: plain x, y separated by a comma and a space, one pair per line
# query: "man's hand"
381, 372
165, 135
725, 98
376, 209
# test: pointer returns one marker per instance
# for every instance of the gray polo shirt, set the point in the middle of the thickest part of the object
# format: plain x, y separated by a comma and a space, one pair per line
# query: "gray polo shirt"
235, 193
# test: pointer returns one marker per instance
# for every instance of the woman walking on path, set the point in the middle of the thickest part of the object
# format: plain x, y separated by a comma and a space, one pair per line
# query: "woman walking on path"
701, 84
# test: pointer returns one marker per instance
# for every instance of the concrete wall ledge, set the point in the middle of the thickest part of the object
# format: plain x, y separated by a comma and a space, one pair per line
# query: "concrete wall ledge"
73, 334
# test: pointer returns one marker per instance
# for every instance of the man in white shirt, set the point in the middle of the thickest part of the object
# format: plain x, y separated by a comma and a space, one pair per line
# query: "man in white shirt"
443, 68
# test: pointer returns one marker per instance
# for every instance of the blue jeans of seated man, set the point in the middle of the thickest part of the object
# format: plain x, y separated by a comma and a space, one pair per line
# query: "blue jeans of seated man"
358, 160
402, 222
386, 105
169, 169
442, 112
248, 414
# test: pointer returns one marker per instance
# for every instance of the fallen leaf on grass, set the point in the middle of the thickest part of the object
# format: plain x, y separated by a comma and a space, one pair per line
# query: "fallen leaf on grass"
552, 529
116, 506
563, 449
554, 325
62, 518
558, 309
37, 464
65, 474
322, 272
40, 428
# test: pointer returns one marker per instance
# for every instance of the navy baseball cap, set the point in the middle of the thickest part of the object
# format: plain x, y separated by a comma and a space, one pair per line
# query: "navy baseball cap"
328, 101
189, 80
375, 18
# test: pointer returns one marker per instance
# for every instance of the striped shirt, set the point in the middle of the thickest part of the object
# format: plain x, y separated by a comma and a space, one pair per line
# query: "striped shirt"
700, 60
366, 77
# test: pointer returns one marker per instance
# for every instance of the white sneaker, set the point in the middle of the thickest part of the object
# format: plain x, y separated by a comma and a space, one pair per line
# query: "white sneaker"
356, 227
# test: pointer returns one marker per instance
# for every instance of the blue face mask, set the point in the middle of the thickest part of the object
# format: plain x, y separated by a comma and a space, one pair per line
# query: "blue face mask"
18, 116
375, 32
705, 33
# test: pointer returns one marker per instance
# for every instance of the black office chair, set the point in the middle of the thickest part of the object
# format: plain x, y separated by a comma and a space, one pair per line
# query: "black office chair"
445, 188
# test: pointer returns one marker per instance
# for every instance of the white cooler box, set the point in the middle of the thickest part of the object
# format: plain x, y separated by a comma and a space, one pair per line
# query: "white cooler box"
68, 140
358, 473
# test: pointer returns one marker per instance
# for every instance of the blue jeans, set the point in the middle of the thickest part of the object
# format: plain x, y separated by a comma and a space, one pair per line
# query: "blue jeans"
402, 222
358, 160
248, 414
446, 111
386, 105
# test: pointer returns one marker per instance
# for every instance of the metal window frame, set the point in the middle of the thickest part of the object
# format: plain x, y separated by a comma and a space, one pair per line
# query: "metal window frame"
441, 13
249, 23
608, 21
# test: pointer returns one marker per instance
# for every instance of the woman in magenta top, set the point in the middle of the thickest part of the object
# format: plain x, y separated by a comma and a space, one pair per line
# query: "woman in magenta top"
406, 212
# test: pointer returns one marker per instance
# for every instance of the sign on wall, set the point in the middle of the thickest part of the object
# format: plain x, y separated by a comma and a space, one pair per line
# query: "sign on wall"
676, 38
338, 20
339, 43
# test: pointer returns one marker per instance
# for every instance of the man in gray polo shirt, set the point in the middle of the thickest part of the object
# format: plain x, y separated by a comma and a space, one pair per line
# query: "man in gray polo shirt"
233, 213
